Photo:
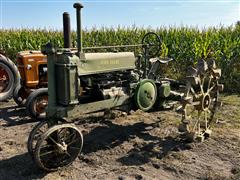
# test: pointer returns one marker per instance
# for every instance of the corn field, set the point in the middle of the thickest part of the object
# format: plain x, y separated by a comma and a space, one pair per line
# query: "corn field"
184, 45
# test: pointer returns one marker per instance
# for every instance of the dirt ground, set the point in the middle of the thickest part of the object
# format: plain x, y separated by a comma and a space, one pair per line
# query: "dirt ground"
139, 146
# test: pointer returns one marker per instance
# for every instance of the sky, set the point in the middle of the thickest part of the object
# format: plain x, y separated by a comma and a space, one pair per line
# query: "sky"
112, 13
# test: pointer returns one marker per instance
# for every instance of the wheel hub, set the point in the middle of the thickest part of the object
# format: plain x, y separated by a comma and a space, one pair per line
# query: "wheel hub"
41, 105
62, 148
205, 102
4, 79
145, 95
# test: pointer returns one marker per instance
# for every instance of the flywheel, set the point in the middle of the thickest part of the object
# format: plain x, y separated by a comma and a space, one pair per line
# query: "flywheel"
146, 94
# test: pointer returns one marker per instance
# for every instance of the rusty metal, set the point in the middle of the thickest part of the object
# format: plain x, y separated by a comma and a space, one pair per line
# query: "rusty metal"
4, 79
41, 104
200, 101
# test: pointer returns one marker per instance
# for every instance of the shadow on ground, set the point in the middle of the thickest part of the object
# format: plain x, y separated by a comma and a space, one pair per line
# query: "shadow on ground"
14, 115
111, 135
104, 135
19, 167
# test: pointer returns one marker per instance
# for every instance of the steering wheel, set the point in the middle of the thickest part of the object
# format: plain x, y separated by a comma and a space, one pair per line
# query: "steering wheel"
151, 43
165, 60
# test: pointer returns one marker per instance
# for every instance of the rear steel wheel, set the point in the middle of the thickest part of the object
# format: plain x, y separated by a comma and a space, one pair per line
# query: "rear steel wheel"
200, 101
59, 146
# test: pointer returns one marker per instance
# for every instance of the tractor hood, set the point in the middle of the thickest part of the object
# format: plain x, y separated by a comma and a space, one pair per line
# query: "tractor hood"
93, 63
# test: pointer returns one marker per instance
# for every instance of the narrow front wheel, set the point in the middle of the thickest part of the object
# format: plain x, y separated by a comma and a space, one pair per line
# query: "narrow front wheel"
59, 146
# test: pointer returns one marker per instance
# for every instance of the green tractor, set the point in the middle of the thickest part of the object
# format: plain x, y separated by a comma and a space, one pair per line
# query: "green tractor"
81, 82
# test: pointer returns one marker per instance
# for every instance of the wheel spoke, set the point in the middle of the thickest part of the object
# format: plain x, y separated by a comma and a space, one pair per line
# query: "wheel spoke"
209, 82
196, 103
209, 90
200, 84
206, 120
39, 130
69, 155
46, 146
72, 147
193, 92
73, 142
203, 81
53, 140
197, 122
47, 153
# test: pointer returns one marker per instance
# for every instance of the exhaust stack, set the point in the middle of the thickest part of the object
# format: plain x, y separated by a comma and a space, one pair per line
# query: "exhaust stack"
78, 7
66, 30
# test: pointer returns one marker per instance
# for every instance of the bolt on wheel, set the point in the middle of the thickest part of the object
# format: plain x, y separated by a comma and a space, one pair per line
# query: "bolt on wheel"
59, 146
200, 101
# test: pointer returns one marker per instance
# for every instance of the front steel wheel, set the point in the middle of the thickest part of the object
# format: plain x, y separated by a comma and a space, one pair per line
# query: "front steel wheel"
59, 146
36, 133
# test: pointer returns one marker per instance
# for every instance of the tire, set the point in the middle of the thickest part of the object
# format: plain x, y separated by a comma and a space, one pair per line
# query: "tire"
18, 96
34, 101
37, 132
9, 69
34, 135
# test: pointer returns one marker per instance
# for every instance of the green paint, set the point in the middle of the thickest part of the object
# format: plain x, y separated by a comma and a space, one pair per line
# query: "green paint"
94, 63
146, 94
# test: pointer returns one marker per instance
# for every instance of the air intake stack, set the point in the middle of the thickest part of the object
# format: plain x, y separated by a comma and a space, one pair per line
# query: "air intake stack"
78, 7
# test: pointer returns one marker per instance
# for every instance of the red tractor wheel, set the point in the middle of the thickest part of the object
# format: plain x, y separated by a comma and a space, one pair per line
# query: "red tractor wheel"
37, 103
9, 78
